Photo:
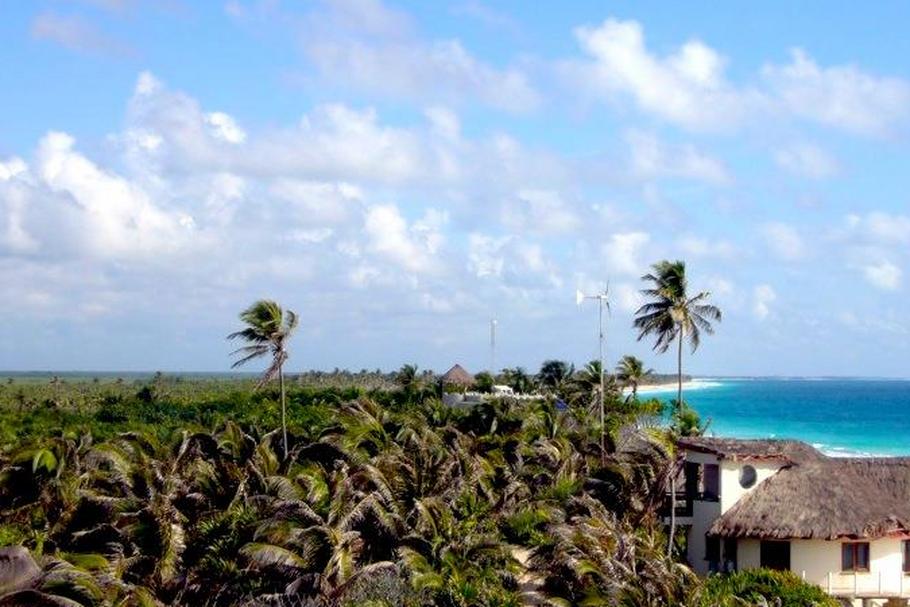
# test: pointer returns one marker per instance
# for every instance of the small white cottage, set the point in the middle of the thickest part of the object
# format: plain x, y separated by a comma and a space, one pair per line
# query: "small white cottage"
840, 523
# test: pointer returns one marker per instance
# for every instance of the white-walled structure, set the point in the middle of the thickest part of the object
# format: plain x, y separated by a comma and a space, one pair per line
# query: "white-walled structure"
840, 523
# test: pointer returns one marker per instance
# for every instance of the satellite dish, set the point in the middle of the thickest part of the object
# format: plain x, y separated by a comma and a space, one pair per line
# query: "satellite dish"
579, 297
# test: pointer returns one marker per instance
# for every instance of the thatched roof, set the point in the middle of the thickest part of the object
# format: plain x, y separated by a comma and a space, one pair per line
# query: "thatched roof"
458, 376
737, 449
826, 498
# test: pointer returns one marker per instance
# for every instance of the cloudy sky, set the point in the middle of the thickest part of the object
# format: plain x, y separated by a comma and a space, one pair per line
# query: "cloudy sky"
399, 174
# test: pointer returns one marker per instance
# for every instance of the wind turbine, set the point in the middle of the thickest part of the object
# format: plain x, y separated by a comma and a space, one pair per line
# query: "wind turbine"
602, 302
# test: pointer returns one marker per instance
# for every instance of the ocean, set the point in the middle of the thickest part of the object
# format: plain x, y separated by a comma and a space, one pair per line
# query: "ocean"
837, 416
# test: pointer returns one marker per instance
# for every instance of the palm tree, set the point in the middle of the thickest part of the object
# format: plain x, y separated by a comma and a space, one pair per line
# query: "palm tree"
267, 332
409, 381
630, 372
672, 315
554, 373
519, 380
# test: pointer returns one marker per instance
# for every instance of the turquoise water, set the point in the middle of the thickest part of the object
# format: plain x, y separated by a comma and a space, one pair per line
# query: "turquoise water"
838, 416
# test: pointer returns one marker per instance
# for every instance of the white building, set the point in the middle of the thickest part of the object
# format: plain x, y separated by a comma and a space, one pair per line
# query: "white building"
840, 523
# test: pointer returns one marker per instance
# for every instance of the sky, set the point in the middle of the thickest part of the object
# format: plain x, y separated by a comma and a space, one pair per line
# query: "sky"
399, 174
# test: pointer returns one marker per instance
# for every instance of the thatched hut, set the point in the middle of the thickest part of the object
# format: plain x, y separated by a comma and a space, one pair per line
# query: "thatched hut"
841, 523
828, 499
457, 377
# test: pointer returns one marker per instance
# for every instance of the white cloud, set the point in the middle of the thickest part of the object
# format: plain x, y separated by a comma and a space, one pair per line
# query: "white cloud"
626, 297
695, 247
762, 297
445, 122
622, 252
884, 275
879, 228
414, 247
225, 127
689, 87
485, 255
806, 160
374, 48
840, 96
76, 33
315, 202
67, 202
652, 158
12, 168
784, 241
539, 212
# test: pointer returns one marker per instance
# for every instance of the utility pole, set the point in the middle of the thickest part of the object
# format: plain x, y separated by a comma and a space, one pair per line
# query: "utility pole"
602, 301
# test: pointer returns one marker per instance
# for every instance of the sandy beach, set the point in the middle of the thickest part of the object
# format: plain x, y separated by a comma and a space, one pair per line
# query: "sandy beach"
693, 384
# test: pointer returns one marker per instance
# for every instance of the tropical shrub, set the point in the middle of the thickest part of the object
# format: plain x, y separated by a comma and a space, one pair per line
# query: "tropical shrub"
763, 586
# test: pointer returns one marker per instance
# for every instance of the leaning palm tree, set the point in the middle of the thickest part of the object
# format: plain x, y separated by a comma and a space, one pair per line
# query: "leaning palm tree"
671, 315
630, 372
267, 332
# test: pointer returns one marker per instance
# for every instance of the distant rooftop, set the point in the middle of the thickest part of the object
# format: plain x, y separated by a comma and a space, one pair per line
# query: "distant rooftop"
738, 449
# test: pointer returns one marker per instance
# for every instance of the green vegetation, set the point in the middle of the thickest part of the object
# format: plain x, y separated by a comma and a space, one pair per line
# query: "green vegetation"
341, 489
761, 586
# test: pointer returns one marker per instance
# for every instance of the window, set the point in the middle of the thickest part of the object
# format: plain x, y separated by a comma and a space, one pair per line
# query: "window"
775, 555
691, 469
854, 556
711, 481
712, 552
712, 549
906, 546
747, 477
730, 554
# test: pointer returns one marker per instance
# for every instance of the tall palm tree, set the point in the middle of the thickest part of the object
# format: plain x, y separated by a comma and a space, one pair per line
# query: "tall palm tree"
630, 372
267, 331
671, 315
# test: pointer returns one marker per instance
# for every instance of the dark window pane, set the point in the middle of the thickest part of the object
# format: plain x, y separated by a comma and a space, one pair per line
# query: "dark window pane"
906, 545
712, 549
846, 557
855, 556
775, 555
862, 556
712, 480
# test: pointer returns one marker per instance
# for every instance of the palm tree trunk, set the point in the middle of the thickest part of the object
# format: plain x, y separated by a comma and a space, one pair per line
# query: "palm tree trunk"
672, 511
679, 402
284, 421
673, 466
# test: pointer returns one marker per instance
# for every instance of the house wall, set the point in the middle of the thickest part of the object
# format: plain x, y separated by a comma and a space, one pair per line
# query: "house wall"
704, 513
730, 489
749, 554
814, 560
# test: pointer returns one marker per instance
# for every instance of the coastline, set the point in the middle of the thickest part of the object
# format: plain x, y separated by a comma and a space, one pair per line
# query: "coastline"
692, 384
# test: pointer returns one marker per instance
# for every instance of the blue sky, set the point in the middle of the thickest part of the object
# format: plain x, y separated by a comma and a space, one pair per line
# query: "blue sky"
401, 173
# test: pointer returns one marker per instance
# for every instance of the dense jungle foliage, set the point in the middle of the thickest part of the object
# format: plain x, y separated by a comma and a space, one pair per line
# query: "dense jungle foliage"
170, 491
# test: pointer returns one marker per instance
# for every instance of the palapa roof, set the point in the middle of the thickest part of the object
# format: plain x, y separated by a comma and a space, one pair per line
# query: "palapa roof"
825, 498
738, 449
458, 376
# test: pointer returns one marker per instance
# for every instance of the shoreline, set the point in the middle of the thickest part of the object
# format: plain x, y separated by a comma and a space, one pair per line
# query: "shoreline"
692, 384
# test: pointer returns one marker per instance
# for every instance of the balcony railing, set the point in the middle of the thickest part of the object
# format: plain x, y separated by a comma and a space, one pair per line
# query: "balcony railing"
685, 502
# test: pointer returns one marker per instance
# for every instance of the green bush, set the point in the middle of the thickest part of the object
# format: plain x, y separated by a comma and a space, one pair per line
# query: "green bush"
763, 586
